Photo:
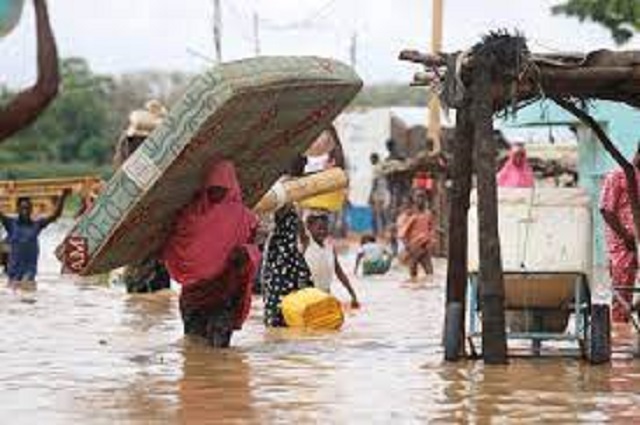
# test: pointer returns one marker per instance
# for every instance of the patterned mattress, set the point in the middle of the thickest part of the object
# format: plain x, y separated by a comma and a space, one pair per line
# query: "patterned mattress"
259, 113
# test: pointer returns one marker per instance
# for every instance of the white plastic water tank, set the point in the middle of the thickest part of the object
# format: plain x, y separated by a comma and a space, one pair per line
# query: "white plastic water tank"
541, 230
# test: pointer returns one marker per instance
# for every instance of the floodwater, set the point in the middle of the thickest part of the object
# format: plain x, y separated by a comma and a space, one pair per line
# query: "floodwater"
80, 352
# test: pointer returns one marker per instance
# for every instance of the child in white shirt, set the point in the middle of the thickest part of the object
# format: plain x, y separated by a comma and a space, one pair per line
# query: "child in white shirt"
321, 256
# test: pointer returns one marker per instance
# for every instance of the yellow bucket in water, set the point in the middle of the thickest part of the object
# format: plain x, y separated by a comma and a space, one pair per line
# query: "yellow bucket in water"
332, 201
312, 308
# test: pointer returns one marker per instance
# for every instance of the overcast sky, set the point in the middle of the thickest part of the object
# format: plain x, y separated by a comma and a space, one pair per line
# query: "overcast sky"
128, 35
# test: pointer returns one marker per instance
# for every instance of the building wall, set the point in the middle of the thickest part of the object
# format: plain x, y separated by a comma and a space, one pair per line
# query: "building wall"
362, 132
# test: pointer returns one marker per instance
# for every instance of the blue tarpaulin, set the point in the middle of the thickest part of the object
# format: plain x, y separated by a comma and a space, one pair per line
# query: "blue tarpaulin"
360, 219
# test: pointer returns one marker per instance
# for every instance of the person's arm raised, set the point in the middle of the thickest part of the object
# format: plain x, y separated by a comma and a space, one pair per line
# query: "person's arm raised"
59, 208
25, 107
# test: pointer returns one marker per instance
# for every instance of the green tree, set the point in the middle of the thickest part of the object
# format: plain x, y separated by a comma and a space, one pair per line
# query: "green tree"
82, 114
80, 128
78, 117
620, 17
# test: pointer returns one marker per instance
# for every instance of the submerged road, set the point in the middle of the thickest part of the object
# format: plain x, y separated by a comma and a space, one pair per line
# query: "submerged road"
81, 352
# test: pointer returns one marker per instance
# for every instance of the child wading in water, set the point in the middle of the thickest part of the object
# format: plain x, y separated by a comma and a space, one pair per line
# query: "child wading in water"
375, 258
416, 232
321, 256
23, 233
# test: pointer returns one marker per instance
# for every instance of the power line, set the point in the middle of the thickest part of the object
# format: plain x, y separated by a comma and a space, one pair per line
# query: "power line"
256, 33
311, 21
201, 55
249, 36
353, 50
242, 15
217, 29
304, 23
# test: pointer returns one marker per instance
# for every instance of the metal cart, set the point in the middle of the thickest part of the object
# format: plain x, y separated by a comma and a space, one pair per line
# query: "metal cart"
539, 307
546, 240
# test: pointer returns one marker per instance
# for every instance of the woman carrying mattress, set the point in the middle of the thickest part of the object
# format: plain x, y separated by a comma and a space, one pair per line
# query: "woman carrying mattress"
211, 253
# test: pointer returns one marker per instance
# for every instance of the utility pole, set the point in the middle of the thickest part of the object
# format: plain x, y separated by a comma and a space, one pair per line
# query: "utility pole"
256, 33
217, 29
434, 124
353, 50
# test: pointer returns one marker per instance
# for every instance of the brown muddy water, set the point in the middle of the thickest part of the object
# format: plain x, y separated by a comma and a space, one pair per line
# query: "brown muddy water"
78, 352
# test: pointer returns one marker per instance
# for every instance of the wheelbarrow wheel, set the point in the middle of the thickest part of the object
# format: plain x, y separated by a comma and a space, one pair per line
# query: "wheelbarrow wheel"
452, 336
600, 335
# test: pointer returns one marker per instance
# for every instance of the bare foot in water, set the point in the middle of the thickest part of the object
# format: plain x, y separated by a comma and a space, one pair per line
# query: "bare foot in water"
409, 282
418, 282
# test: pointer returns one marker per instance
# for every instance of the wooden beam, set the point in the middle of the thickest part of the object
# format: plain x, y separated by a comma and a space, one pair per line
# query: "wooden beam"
600, 75
618, 84
426, 59
494, 342
461, 171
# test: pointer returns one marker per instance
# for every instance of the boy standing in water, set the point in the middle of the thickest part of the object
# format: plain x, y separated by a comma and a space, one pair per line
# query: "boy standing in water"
416, 231
23, 233
321, 256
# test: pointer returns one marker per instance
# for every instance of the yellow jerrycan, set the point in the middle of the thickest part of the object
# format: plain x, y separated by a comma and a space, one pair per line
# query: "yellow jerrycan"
312, 308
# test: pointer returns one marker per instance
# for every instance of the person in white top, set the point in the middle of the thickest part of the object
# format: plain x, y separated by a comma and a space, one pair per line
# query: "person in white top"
321, 256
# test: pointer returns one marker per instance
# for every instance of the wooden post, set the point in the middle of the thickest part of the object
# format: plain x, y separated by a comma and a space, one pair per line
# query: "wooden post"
494, 342
461, 170
435, 127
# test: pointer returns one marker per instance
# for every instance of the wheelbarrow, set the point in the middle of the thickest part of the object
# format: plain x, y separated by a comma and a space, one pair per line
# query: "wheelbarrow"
546, 246
538, 307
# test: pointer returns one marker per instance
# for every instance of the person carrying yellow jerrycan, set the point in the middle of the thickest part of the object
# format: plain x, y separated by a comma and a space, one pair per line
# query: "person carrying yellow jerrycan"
331, 202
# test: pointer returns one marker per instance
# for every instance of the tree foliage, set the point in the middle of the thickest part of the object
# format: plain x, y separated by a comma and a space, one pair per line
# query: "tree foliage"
620, 17
78, 132
81, 126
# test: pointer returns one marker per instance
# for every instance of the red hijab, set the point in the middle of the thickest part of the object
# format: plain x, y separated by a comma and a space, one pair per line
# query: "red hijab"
206, 230
516, 172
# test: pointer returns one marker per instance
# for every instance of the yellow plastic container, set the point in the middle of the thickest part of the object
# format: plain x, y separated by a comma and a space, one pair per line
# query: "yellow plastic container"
312, 308
333, 201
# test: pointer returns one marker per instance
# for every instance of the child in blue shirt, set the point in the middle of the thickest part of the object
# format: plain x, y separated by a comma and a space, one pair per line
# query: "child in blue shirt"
23, 233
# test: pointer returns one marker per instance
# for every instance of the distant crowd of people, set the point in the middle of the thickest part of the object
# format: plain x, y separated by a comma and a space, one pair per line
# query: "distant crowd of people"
400, 202
402, 213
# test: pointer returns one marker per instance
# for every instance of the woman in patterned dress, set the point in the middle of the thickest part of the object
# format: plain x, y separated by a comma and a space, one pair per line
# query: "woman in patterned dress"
284, 269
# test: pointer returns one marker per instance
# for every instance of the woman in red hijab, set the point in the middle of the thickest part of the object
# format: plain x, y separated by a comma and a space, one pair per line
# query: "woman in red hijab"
210, 252
516, 172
